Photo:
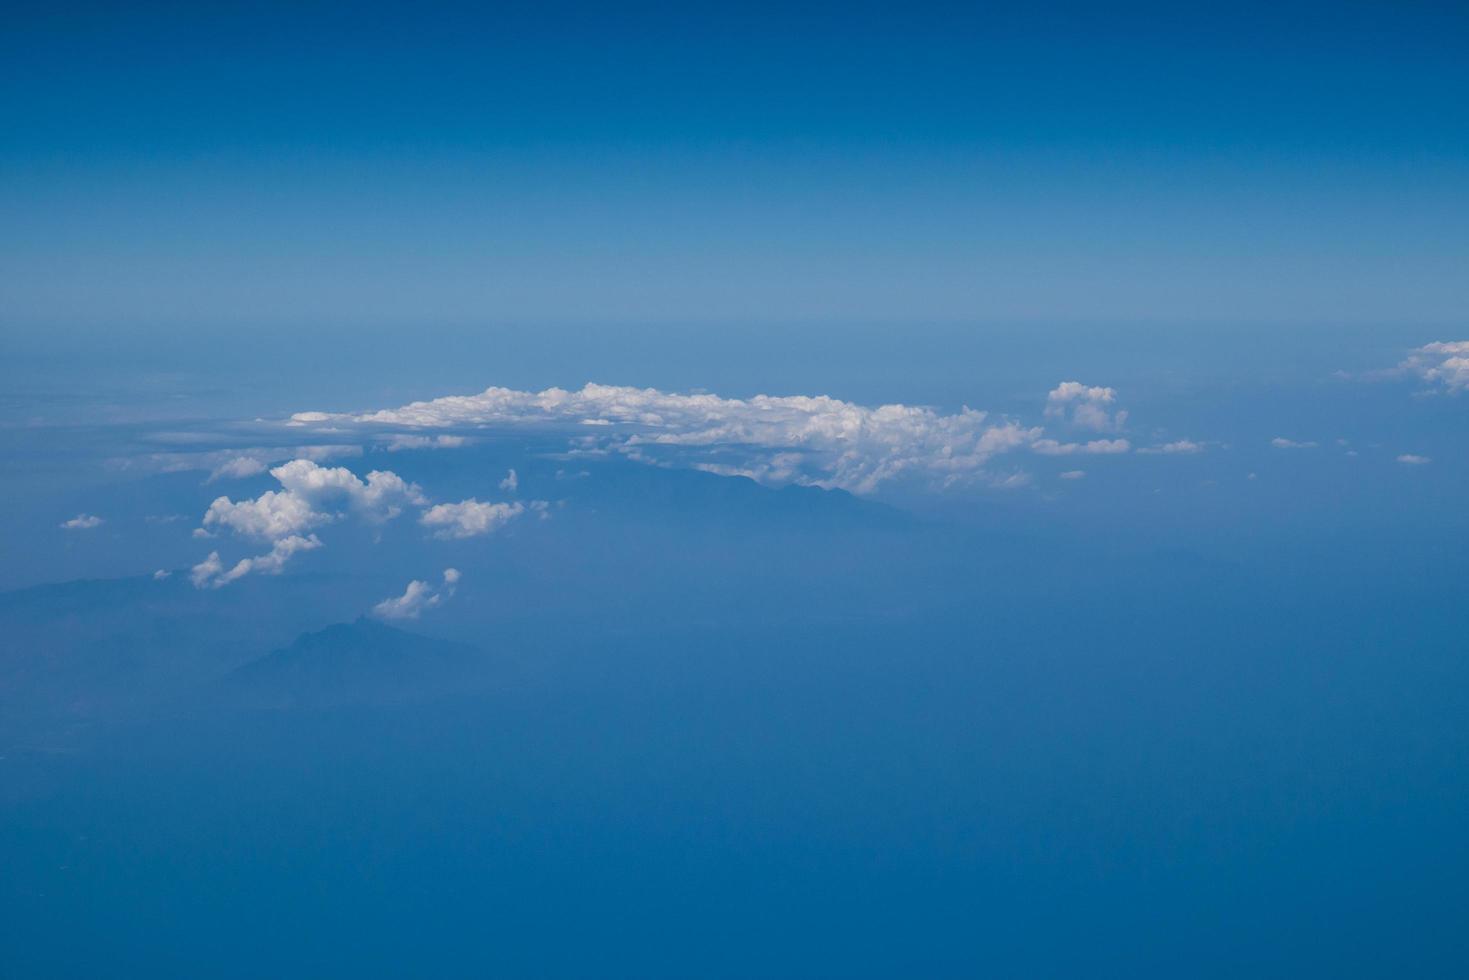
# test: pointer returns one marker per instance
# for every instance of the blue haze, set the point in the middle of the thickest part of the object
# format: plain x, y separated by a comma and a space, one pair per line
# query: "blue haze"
1139, 714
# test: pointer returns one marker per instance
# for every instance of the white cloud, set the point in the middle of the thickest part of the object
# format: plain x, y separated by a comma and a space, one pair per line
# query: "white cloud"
310, 496
211, 573
1182, 447
417, 597
1414, 460
817, 441
1073, 475
775, 440
471, 518
83, 522
381, 498
1442, 363
511, 483
398, 442
1088, 407
1097, 447
1280, 442
272, 515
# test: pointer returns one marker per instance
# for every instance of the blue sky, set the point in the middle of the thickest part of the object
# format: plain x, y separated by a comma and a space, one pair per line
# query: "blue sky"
1282, 163
673, 490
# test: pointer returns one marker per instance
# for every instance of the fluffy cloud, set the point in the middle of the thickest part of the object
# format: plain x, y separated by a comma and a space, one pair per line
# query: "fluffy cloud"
1442, 363
1085, 407
1280, 442
272, 515
1414, 460
471, 518
311, 495
511, 483
211, 573
83, 522
417, 597
1073, 475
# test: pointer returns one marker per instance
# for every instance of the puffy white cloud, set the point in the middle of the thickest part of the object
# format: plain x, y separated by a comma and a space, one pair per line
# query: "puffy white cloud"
211, 573
311, 495
381, 498
1280, 442
272, 515
162, 574
1412, 459
417, 597
511, 483
83, 522
1442, 363
1087, 407
471, 518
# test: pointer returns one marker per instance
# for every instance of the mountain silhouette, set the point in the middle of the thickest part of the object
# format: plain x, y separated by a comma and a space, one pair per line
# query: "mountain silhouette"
359, 663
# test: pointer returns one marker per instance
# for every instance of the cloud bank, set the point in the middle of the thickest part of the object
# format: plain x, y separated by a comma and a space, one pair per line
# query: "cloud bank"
808, 440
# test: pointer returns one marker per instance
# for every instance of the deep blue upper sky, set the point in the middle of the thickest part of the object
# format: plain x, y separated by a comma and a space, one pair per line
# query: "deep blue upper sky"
172, 165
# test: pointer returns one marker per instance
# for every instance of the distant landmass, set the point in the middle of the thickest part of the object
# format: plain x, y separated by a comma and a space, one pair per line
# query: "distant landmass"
359, 663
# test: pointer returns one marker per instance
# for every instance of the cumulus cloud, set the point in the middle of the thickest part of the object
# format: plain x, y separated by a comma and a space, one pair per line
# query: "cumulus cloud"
1086, 407
1280, 442
1412, 459
417, 597
1073, 475
471, 518
311, 495
1442, 364
211, 573
83, 522
511, 483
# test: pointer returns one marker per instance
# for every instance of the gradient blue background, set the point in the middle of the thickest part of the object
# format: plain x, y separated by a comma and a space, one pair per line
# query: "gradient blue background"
223, 167
1190, 716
